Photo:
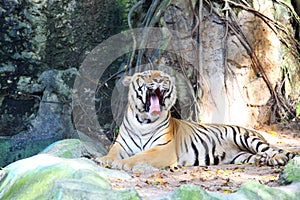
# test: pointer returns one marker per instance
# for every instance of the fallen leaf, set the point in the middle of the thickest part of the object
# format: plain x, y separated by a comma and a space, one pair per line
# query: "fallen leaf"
226, 191
273, 133
161, 182
137, 174
159, 175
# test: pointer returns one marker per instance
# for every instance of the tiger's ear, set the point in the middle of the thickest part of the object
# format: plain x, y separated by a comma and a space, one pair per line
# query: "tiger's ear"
126, 80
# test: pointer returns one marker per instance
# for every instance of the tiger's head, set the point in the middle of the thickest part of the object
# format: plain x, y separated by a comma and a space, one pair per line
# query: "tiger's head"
151, 93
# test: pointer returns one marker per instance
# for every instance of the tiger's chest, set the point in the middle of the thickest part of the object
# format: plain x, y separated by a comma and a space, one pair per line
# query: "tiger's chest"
138, 141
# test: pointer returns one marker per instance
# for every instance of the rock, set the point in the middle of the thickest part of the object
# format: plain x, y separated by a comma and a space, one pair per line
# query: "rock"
53, 120
60, 172
249, 191
291, 172
94, 145
45, 176
254, 190
75, 148
68, 148
190, 192
76, 189
37, 35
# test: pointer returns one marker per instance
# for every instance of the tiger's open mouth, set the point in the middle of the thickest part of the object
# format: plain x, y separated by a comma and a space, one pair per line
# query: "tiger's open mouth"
153, 101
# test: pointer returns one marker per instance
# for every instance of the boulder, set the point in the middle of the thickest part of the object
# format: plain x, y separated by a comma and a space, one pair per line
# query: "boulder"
62, 172
45, 176
53, 120
291, 172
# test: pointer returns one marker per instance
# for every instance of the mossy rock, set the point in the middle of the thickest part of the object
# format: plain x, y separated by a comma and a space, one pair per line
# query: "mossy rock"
191, 192
59, 173
291, 172
48, 177
68, 148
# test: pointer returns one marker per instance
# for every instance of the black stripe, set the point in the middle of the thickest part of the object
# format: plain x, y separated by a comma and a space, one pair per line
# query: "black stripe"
246, 137
166, 121
207, 161
243, 143
233, 160
290, 155
218, 133
196, 153
156, 139
138, 146
235, 135
216, 159
257, 145
265, 149
129, 134
203, 133
226, 132
130, 128
140, 110
162, 125
240, 137
186, 146
137, 94
137, 117
247, 160
164, 143
223, 156
122, 147
203, 127
170, 91
126, 144
253, 150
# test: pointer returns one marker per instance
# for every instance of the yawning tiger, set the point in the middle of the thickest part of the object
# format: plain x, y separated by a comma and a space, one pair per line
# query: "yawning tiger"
150, 135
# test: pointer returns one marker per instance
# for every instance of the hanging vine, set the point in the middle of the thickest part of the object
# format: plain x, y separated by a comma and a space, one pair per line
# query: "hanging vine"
168, 13
280, 106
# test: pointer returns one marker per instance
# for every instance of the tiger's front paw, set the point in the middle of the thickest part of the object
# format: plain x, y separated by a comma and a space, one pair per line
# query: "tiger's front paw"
104, 161
122, 164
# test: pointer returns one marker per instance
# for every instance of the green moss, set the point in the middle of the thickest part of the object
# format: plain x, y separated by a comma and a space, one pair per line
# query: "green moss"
36, 178
191, 192
291, 172
255, 190
68, 148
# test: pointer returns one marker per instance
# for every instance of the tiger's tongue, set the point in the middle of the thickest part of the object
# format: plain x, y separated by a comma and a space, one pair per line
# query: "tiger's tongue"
154, 105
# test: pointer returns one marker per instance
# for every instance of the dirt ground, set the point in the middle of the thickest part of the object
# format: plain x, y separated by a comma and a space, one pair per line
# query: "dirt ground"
222, 178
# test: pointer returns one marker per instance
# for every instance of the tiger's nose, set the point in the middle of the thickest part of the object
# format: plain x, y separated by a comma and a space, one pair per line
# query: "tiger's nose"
158, 80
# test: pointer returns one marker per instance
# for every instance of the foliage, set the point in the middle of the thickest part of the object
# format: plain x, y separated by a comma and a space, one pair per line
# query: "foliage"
298, 109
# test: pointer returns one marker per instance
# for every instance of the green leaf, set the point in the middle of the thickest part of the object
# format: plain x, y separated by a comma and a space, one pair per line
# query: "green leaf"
298, 109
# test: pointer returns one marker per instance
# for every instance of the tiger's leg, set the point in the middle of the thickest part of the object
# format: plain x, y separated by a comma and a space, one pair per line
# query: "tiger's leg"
246, 157
260, 153
277, 157
271, 158
159, 156
114, 154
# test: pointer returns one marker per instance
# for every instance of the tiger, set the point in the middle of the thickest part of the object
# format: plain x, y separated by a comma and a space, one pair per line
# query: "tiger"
150, 135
